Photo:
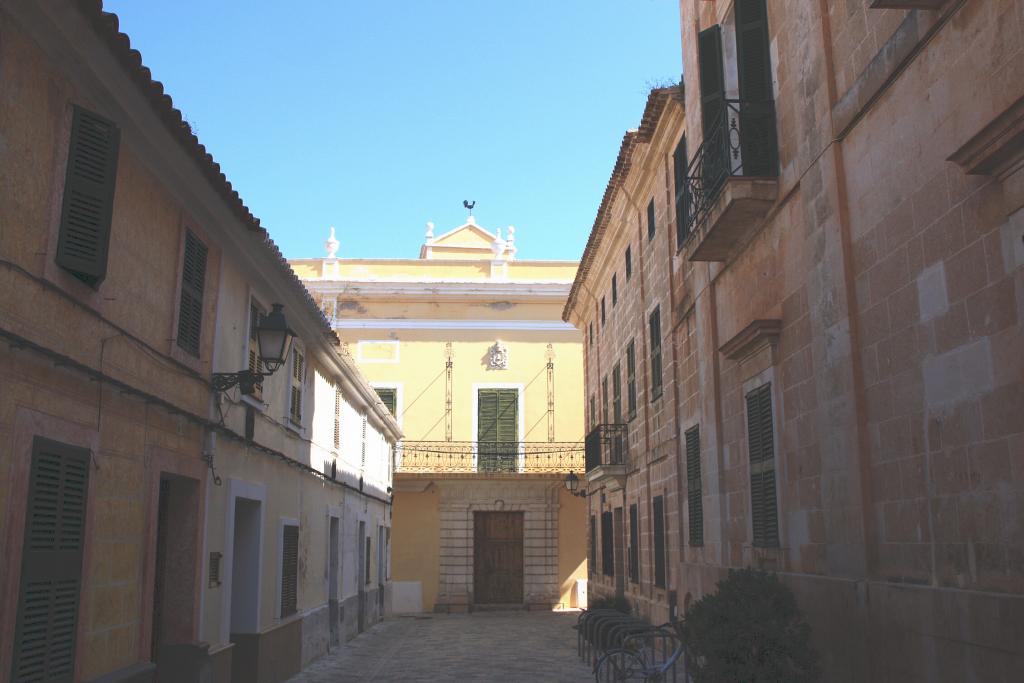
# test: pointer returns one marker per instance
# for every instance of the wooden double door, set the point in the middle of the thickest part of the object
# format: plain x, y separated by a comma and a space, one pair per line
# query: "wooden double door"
498, 558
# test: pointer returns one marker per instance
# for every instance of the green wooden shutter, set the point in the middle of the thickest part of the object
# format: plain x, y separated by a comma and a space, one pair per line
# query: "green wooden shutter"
51, 570
84, 235
659, 541
297, 384
607, 545
680, 163
617, 393
634, 544
193, 282
712, 79
650, 221
760, 441
694, 494
655, 329
497, 429
753, 57
631, 378
289, 570
389, 398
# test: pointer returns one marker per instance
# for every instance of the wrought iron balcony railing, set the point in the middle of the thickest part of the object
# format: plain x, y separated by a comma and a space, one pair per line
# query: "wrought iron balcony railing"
742, 141
607, 444
489, 456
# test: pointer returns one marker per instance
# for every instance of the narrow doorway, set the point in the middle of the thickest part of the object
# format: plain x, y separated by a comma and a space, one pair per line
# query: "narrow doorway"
245, 553
177, 521
380, 571
363, 573
498, 558
332, 583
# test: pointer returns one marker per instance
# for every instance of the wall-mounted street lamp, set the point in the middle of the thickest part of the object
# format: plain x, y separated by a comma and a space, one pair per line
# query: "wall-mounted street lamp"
275, 340
572, 483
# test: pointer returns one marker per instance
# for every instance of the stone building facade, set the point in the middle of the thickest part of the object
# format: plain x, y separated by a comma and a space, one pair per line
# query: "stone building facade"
841, 328
465, 344
151, 524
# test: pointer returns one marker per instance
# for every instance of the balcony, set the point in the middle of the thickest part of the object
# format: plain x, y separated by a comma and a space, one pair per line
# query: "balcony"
607, 456
488, 457
731, 182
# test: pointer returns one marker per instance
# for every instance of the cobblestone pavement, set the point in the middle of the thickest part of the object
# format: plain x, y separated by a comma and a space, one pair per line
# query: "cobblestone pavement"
483, 646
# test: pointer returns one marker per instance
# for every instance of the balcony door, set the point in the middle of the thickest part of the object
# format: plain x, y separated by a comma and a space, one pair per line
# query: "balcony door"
497, 430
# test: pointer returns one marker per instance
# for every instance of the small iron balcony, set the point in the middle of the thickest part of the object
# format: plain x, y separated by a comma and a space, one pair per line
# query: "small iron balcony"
487, 457
731, 180
607, 445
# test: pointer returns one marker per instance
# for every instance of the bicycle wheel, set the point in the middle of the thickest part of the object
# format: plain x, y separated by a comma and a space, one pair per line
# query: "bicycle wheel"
620, 665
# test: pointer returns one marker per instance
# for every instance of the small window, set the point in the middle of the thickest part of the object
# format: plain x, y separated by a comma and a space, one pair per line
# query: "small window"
298, 382
615, 290
256, 315
603, 320
593, 411
289, 570
631, 379
617, 393
655, 329
694, 500
607, 545
634, 544
629, 263
650, 220
389, 397
83, 240
190, 300
760, 442
591, 333
659, 541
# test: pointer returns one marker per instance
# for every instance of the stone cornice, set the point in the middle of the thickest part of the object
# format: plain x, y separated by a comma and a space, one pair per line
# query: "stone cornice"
751, 338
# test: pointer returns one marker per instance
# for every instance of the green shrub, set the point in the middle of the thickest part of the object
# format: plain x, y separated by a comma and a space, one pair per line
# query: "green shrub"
749, 631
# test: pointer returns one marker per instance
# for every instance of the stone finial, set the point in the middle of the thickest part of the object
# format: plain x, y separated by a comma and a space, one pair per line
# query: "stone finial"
498, 245
430, 230
331, 245
511, 242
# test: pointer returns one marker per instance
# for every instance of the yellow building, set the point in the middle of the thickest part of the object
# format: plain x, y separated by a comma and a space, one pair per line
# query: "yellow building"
466, 345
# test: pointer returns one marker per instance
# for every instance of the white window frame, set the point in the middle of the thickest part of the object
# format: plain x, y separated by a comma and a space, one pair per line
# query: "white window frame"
397, 386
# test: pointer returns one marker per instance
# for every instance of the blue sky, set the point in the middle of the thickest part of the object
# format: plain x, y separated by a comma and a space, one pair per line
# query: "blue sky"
376, 116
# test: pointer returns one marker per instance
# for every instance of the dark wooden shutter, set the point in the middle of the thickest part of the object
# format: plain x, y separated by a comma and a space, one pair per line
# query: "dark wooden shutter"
629, 263
389, 398
712, 79
634, 544
289, 571
655, 329
631, 378
760, 441
84, 236
51, 569
602, 311
604, 400
712, 100
607, 545
659, 541
753, 56
615, 290
650, 220
190, 307
297, 383
694, 494
592, 567
593, 411
617, 393
679, 164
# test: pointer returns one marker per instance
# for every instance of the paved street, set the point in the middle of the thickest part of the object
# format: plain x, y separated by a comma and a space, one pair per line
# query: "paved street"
484, 646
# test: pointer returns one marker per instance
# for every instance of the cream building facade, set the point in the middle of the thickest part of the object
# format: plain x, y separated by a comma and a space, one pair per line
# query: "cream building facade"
466, 346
